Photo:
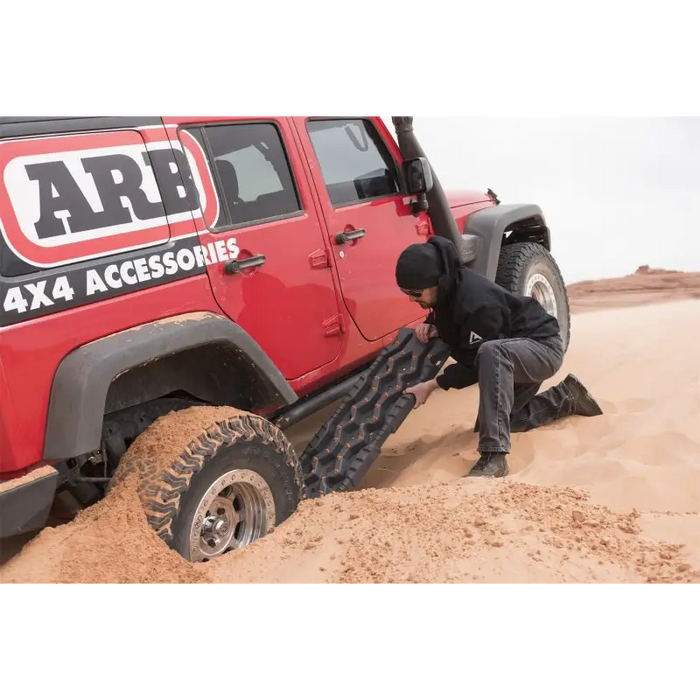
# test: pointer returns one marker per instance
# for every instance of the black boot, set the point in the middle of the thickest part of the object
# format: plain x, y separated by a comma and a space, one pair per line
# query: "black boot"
491, 464
584, 403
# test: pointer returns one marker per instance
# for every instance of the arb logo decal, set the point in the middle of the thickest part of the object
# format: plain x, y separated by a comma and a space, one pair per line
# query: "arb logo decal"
74, 198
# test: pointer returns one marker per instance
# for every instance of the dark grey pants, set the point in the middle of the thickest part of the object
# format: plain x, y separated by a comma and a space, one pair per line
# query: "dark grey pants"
511, 372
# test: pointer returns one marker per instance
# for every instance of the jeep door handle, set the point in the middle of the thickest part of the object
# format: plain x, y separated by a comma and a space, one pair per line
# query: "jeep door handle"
347, 236
233, 267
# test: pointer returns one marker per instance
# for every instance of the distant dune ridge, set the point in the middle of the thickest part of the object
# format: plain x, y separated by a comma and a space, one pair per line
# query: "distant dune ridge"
646, 285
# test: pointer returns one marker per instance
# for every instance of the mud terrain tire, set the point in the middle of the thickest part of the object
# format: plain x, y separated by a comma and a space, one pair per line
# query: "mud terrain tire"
529, 269
189, 463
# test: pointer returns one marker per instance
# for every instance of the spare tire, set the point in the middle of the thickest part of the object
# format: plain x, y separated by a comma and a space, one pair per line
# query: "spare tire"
530, 270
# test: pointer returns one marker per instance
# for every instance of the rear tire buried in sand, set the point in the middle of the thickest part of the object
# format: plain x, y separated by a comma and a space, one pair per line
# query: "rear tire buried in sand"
529, 269
213, 479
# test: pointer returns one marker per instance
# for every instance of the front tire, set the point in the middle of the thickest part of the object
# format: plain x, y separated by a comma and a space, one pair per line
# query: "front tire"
528, 269
213, 479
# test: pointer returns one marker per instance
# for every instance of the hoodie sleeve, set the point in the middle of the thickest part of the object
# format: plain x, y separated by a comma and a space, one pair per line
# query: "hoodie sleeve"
488, 322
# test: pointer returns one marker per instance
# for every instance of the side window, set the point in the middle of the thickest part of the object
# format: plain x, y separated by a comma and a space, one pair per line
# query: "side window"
252, 174
354, 160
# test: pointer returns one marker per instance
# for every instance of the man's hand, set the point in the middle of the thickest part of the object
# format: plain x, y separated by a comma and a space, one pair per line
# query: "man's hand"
425, 332
422, 392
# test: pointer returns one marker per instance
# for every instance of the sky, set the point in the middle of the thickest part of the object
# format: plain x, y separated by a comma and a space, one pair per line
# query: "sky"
617, 193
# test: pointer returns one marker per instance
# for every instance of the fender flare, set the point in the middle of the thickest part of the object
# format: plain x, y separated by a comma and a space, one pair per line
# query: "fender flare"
484, 230
82, 380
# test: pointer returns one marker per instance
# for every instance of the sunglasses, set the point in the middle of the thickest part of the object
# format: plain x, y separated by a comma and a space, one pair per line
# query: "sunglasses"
413, 294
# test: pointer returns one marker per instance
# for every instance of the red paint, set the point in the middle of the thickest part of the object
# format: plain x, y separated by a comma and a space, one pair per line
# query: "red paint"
461, 213
459, 198
366, 266
318, 315
52, 255
284, 303
31, 352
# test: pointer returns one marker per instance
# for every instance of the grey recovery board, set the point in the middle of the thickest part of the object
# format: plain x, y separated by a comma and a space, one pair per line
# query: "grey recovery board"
347, 445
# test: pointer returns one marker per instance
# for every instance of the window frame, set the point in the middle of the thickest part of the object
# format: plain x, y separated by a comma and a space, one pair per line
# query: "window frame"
202, 126
387, 152
32, 118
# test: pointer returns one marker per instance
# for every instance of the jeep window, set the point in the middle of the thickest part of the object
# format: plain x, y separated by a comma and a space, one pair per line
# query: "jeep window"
252, 174
355, 163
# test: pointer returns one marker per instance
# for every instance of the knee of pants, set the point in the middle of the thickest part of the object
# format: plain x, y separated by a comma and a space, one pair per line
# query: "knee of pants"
488, 352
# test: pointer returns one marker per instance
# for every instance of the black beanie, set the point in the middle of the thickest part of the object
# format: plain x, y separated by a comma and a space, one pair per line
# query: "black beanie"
419, 267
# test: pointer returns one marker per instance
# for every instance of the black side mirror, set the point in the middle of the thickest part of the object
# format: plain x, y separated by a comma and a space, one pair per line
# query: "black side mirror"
417, 175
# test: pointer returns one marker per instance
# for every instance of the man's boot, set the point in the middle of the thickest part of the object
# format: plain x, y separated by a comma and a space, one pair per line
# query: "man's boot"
584, 403
491, 464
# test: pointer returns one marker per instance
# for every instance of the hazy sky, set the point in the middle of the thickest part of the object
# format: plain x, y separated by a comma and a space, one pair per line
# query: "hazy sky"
617, 192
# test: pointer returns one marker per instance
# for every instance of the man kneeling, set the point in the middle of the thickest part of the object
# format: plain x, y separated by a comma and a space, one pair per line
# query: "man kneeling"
507, 343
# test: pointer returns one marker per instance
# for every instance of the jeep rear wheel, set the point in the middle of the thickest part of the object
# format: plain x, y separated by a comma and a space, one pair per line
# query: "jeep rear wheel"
213, 479
530, 270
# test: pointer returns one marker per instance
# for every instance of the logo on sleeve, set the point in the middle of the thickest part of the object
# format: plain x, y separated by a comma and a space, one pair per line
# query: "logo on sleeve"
474, 338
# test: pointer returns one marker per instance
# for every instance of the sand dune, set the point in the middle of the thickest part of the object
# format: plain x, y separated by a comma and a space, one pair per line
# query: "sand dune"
615, 498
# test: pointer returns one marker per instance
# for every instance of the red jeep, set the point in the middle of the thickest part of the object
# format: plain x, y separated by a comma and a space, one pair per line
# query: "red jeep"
227, 275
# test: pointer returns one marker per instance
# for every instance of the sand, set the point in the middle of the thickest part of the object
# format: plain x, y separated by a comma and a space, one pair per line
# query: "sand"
39, 473
109, 542
615, 498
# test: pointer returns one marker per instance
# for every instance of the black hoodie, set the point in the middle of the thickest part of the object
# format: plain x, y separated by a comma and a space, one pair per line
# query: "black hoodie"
471, 309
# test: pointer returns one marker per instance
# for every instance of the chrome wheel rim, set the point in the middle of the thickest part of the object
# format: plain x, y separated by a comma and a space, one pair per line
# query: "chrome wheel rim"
539, 288
236, 510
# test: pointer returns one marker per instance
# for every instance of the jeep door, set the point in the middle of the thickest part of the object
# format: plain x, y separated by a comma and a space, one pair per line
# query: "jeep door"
264, 245
355, 166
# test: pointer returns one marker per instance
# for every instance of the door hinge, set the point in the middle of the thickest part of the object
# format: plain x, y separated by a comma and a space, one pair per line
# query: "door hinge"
333, 325
319, 259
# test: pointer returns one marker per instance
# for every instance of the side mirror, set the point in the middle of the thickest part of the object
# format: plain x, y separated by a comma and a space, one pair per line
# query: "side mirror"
417, 175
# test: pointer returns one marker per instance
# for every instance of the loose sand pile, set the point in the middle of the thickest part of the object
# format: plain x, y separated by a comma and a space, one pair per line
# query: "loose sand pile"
111, 542
462, 532
613, 498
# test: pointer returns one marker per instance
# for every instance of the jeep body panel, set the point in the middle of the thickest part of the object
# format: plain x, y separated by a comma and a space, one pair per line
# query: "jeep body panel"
77, 263
288, 302
105, 267
364, 266
83, 378
31, 353
466, 198
464, 203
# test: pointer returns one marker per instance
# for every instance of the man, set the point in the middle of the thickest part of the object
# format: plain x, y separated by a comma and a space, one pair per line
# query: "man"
505, 342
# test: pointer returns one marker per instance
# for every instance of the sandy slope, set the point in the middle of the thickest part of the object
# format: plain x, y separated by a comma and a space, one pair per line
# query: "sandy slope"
611, 498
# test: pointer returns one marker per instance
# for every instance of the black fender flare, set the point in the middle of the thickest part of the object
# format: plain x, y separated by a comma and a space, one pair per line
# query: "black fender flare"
484, 230
82, 380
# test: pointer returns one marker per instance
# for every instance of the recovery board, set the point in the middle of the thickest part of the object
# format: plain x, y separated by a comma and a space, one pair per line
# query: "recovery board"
344, 449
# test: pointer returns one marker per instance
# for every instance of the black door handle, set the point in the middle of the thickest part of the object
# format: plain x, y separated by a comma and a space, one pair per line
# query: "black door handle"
347, 236
233, 267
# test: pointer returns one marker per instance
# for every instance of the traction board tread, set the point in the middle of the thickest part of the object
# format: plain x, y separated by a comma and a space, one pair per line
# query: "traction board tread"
347, 445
